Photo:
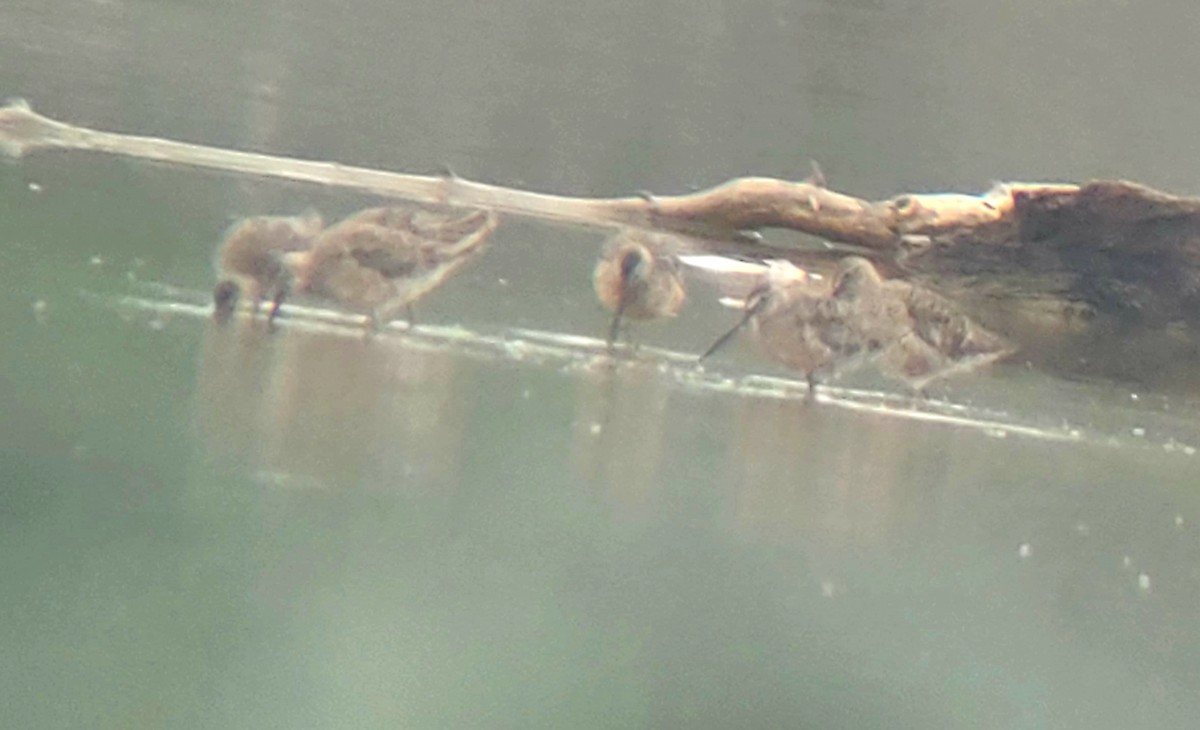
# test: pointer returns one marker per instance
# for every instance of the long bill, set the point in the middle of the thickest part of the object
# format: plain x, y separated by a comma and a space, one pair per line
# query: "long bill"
760, 297
614, 330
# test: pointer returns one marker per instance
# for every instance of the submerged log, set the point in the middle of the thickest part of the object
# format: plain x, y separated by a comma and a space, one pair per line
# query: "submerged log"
1095, 279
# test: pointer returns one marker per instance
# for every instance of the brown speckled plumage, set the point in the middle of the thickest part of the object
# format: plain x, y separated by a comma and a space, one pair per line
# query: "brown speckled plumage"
381, 260
908, 332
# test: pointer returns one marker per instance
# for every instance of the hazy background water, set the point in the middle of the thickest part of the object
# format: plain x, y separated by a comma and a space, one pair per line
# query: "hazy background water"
207, 527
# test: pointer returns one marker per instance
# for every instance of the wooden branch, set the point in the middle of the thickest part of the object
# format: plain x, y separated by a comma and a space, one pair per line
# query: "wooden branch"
751, 203
23, 131
740, 205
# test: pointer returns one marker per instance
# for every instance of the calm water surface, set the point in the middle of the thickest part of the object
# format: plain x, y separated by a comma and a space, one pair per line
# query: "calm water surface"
213, 527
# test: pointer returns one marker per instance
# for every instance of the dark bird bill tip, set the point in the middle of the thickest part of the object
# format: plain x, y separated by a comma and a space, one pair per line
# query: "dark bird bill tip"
225, 299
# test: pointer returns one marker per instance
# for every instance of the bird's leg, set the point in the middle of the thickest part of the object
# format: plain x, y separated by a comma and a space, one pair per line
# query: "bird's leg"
276, 302
919, 392
614, 330
373, 325
811, 379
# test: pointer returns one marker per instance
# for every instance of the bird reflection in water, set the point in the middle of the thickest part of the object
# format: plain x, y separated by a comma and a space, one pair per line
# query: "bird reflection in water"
619, 433
250, 261
382, 260
824, 329
638, 277
315, 409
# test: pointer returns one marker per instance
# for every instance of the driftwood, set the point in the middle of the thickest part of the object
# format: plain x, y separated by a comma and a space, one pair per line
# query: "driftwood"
1101, 278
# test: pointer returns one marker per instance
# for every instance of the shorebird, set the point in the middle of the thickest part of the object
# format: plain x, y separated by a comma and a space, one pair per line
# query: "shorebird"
251, 261
794, 320
909, 332
943, 341
380, 261
638, 277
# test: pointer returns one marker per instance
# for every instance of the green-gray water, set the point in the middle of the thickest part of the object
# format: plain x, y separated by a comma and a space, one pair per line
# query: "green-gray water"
212, 527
